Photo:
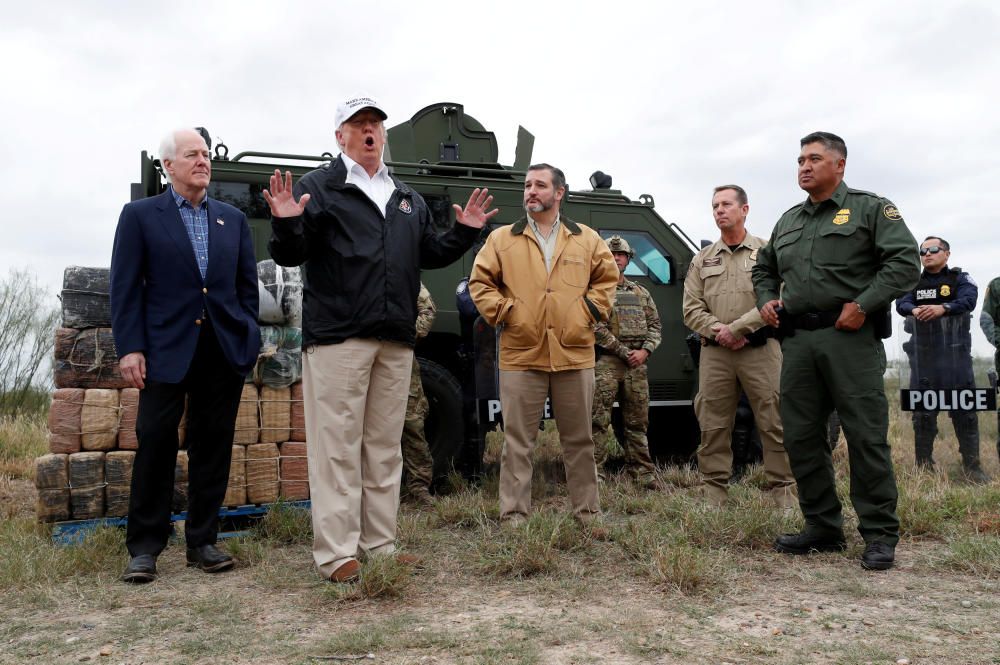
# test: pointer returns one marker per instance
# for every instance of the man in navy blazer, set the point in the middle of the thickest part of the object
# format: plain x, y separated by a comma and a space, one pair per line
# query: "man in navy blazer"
184, 317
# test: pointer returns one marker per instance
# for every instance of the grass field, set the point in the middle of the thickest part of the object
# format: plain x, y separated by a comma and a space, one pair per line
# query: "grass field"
676, 581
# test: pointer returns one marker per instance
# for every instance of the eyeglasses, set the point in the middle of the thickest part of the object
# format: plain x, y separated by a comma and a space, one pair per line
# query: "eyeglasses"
924, 251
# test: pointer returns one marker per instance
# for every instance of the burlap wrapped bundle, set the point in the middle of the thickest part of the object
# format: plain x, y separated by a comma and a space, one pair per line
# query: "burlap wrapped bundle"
86, 481
52, 481
298, 414
180, 500
236, 490
275, 414
126, 423
86, 359
99, 419
64, 420
247, 425
86, 301
118, 476
262, 473
294, 471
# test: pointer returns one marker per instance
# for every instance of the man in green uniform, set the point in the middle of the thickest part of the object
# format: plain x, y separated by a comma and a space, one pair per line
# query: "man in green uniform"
624, 342
832, 266
989, 321
418, 465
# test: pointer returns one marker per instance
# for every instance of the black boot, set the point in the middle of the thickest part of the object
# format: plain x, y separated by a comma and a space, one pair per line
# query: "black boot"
924, 431
967, 430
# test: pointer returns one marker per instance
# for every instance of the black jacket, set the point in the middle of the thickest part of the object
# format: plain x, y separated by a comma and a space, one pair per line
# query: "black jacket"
361, 272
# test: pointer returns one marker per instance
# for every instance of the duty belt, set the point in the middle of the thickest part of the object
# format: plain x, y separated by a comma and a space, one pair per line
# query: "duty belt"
814, 320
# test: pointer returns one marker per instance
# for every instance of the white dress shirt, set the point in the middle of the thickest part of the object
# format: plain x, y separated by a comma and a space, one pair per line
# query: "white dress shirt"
379, 189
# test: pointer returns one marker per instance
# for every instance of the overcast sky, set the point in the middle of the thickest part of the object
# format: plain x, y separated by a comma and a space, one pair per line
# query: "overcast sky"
669, 99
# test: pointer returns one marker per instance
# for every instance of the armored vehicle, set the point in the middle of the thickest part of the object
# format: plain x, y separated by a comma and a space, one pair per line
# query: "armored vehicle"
444, 154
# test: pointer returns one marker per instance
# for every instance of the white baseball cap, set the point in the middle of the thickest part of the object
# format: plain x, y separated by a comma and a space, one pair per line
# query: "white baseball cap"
347, 109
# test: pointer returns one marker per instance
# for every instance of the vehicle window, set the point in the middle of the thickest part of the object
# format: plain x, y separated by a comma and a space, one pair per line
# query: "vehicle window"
650, 259
246, 197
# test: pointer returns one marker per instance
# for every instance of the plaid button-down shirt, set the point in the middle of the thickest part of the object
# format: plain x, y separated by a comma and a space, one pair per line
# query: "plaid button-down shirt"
196, 224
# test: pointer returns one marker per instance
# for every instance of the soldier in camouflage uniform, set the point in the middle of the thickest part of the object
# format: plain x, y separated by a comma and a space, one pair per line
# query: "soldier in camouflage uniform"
624, 343
418, 465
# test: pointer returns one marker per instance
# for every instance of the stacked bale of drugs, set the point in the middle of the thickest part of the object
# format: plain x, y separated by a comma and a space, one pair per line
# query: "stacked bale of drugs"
297, 414
86, 301
180, 500
129, 400
262, 473
118, 478
86, 359
280, 291
279, 363
236, 489
275, 414
99, 419
294, 471
247, 423
52, 481
64, 420
86, 485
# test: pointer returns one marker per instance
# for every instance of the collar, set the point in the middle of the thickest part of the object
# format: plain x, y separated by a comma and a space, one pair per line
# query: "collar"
750, 241
520, 225
180, 200
353, 167
534, 225
335, 175
839, 197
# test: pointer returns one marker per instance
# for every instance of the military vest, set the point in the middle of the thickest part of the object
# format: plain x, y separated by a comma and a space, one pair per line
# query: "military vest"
927, 293
628, 319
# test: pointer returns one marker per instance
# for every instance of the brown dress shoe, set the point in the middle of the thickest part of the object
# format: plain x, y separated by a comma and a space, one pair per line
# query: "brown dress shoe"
347, 572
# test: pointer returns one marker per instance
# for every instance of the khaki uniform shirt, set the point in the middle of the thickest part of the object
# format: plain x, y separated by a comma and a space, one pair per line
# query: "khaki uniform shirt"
719, 288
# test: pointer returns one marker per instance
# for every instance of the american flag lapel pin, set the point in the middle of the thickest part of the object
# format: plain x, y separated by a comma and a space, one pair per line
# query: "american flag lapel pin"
220, 221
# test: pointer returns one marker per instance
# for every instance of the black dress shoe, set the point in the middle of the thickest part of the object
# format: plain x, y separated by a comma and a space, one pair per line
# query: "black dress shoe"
141, 569
810, 541
878, 556
209, 559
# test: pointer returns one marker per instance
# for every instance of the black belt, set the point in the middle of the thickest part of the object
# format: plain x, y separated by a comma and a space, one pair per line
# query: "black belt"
814, 320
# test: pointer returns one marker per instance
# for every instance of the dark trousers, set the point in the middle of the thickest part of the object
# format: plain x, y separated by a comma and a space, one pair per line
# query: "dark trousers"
213, 390
823, 370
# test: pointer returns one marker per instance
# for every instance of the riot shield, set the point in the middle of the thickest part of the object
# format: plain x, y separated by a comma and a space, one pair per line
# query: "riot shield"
938, 371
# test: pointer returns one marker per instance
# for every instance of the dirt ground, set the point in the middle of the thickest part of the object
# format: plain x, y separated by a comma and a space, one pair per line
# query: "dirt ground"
596, 608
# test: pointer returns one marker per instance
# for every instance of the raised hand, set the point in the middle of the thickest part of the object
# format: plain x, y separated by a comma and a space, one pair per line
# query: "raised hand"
474, 214
282, 202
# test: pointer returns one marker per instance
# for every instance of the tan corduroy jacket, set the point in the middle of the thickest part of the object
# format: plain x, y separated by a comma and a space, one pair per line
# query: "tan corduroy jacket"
548, 318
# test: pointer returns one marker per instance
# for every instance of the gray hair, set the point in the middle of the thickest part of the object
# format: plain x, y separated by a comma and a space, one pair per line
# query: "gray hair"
168, 147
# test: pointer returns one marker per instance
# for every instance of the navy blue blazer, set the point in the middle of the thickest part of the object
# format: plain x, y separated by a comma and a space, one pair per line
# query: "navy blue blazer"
158, 296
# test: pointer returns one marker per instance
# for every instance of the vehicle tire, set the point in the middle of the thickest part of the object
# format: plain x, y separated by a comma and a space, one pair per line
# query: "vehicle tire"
444, 425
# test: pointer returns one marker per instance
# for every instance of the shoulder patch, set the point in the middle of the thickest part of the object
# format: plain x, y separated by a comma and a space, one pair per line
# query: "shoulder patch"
891, 212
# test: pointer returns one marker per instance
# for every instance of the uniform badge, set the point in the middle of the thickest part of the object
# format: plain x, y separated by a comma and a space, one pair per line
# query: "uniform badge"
842, 217
708, 263
891, 212
945, 290
405, 206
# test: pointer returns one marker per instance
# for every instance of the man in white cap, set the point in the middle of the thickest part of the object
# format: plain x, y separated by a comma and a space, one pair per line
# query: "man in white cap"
362, 237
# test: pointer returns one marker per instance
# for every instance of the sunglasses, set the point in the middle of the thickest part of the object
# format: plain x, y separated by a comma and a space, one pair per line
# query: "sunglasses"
924, 251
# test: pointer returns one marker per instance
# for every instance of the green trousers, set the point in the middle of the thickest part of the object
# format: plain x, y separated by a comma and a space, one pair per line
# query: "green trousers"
824, 370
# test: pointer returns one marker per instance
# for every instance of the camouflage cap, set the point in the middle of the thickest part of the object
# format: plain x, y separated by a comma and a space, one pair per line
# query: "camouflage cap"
619, 244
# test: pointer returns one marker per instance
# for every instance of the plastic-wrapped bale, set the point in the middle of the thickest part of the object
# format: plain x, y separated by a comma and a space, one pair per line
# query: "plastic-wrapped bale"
64, 420
280, 291
86, 359
86, 297
236, 490
262, 473
298, 414
118, 476
86, 483
247, 425
294, 471
279, 363
52, 482
129, 399
180, 501
99, 419
275, 414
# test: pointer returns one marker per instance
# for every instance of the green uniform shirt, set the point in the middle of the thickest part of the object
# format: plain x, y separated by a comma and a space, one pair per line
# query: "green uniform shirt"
853, 246
990, 318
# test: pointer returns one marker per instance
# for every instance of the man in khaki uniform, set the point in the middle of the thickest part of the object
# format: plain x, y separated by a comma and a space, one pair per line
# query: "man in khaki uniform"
418, 465
738, 352
547, 280
624, 343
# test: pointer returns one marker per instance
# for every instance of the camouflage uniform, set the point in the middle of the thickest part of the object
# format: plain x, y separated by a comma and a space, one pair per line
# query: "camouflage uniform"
634, 324
418, 465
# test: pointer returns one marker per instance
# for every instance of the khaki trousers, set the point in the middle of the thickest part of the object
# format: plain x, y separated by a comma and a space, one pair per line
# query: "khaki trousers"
355, 401
721, 375
522, 400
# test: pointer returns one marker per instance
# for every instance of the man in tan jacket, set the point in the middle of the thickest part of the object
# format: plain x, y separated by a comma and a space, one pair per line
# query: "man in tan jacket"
547, 280
738, 354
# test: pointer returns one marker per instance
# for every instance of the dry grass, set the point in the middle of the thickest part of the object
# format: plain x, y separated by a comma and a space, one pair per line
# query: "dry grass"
22, 439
